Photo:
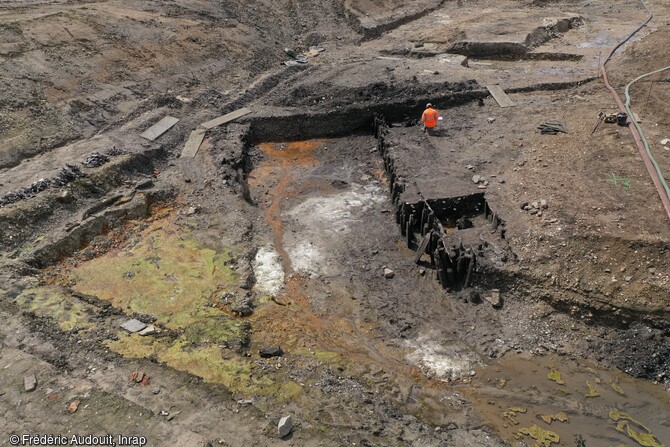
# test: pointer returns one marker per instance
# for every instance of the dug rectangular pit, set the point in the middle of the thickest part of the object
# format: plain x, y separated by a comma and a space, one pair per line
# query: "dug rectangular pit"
318, 197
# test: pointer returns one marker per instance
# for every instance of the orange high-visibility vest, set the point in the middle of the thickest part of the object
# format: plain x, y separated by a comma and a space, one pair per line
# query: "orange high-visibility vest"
430, 117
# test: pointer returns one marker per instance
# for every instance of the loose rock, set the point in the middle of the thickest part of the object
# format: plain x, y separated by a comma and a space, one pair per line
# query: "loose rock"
285, 426
388, 273
133, 325
65, 197
272, 351
30, 382
495, 299
144, 184
148, 330
73, 407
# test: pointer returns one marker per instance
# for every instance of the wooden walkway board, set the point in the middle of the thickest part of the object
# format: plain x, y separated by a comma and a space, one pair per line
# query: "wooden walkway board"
226, 118
193, 144
159, 128
500, 96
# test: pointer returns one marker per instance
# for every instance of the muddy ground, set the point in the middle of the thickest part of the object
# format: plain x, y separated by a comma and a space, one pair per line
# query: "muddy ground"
276, 272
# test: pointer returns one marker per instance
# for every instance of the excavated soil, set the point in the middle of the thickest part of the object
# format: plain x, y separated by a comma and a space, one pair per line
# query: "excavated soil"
321, 256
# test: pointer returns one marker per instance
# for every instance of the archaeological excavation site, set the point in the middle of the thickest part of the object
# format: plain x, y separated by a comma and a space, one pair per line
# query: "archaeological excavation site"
228, 223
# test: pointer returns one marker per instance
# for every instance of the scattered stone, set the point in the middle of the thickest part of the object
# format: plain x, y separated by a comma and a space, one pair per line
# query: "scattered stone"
285, 426
535, 205
245, 402
627, 278
543, 204
272, 351
501, 180
73, 407
114, 151
242, 306
533, 211
192, 210
490, 120
470, 167
149, 330
133, 325
65, 196
165, 413
95, 159
665, 141
422, 272
139, 377
156, 390
495, 299
524, 205
144, 184
30, 382
481, 186
476, 179
388, 273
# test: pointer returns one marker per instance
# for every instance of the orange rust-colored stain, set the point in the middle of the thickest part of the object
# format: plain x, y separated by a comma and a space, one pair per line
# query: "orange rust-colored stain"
277, 178
293, 325
298, 152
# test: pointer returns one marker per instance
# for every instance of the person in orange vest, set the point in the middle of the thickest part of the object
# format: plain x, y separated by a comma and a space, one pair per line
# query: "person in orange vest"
429, 118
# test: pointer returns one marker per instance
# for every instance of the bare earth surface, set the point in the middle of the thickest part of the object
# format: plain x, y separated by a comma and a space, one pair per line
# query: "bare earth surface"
322, 257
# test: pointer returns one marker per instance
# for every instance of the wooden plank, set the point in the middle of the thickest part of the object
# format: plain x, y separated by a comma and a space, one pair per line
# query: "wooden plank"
226, 118
422, 248
500, 96
159, 128
193, 144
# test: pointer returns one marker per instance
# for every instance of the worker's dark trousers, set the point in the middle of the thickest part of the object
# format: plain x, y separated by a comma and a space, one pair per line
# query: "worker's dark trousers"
432, 131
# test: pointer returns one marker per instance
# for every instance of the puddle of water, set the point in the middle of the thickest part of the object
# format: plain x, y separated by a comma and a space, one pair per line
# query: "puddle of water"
569, 398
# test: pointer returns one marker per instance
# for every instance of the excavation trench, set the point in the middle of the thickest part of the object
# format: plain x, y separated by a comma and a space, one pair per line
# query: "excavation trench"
324, 203
335, 212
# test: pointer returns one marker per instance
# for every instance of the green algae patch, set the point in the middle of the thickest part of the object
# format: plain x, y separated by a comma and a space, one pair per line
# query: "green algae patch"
327, 356
511, 413
542, 437
219, 330
549, 418
205, 361
52, 302
592, 390
555, 375
168, 275
634, 429
617, 388
135, 346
